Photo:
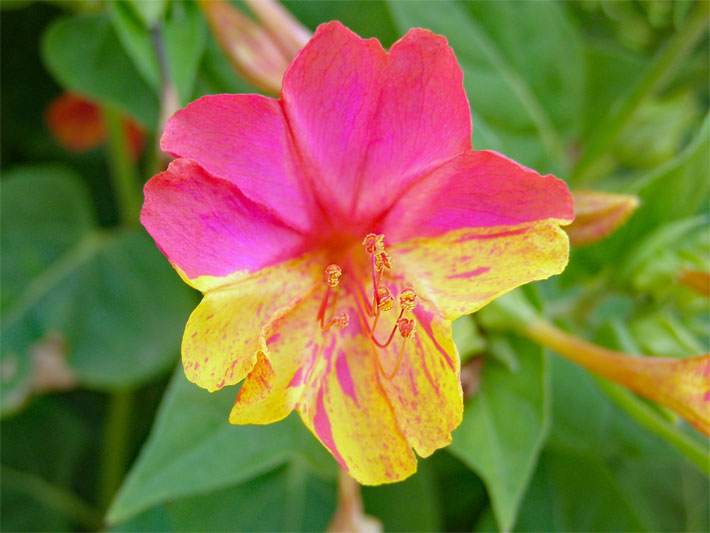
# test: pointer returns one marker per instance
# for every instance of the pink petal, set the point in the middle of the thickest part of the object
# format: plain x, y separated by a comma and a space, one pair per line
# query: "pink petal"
423, 118
206, 227
244, 138
329, 96
475, 190
368, 123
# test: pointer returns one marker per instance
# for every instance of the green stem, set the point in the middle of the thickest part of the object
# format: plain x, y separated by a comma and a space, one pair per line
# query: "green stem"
52, 496
115, 445
123, 169
649, 418
665, 64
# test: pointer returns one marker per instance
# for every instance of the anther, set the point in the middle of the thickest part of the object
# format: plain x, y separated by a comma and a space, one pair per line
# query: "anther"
385, 301
405, 327
341, 320
373, 243
332, 275
408, 299
383, 261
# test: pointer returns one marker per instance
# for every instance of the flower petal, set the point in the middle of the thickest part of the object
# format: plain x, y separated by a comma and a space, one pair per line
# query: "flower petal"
244, 138
368, 123
276, 383
425, 392
478, 189
423, 118
463, 270
230, 326
329, 95
209, 231
347, 410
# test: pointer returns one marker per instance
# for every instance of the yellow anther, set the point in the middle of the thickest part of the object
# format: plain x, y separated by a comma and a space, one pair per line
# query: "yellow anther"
374, 243
406, 327
383, 261
332, 275
385, 301
408, 299
341, 320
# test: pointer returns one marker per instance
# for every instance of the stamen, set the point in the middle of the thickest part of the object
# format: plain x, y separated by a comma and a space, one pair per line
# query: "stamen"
332, 278
339, 321
406, 329
332, 275
408, 299
385, 301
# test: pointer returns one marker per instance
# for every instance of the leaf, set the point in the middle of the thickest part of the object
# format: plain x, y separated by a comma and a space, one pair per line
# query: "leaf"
184, 37
284, 499
600, 471
193, 449
669, 196
26, 446
84, 55
574, 492
504, 427
136, 40
422, 512
525, 85
110, 296
149, 12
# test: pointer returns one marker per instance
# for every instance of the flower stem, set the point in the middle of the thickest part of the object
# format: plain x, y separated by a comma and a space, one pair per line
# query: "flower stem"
665, 64
123, 169
115, 443
349, 514
57, 498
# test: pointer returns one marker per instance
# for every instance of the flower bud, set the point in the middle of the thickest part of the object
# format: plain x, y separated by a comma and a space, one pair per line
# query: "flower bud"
250, 48
696, 280
598, 214
283, 27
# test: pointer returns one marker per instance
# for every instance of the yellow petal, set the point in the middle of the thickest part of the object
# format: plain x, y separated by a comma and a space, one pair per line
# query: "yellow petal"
229, 327
463, 270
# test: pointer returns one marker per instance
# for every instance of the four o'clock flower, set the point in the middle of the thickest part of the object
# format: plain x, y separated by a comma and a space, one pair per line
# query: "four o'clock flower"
337, 232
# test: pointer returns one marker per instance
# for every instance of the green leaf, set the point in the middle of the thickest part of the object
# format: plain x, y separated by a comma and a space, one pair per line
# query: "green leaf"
285, 499
422, 512
111, 296
136, 40
184, 37
669, 196
504, 427
575, 492
27, 445
149, 11
193, 449
524, 84
600, 471
84, 55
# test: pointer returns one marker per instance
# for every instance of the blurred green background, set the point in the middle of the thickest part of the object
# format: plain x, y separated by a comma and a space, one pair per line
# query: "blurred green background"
100, 429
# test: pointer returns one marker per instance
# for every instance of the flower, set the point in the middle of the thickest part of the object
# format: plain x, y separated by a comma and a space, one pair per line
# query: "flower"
77, 124
292, 215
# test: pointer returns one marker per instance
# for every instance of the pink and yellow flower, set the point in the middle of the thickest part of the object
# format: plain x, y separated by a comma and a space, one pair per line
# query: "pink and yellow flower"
337, 232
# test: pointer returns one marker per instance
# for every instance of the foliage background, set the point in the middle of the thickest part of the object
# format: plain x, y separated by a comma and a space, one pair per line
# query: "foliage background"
608, 95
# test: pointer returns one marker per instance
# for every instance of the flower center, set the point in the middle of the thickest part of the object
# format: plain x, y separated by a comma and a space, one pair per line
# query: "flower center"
371, 307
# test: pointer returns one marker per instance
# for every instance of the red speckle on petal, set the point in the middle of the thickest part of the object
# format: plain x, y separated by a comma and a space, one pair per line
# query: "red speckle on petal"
321, 425
470, 274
